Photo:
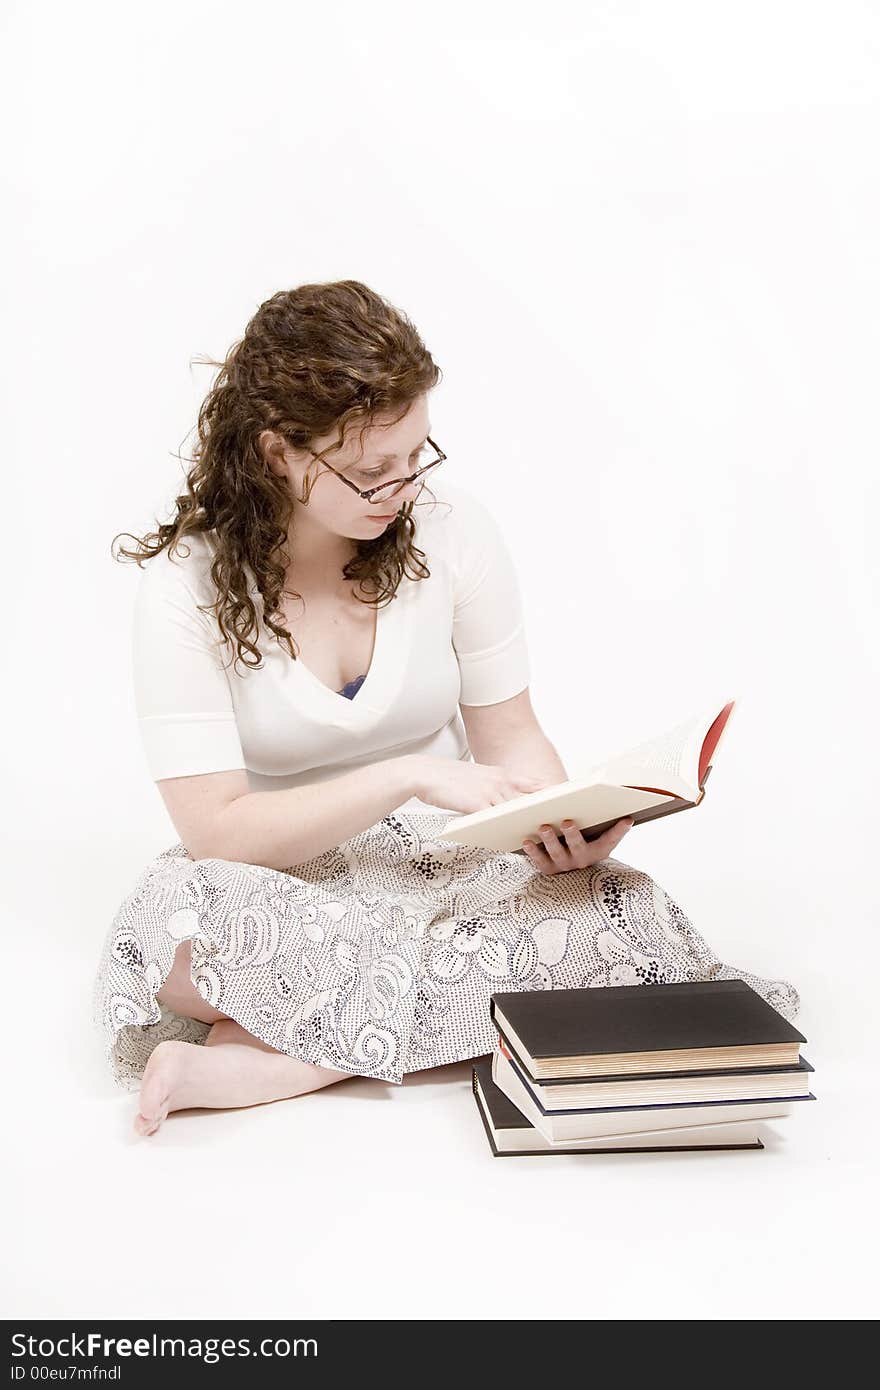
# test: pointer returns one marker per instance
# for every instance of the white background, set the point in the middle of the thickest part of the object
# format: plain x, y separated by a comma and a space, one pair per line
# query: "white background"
641, 241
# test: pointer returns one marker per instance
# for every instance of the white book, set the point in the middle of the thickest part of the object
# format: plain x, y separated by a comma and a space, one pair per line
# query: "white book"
627, 1120
522, 1138
665, 774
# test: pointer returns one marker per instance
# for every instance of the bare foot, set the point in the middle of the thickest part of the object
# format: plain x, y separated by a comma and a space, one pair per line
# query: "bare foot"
165, 1079
237, 1070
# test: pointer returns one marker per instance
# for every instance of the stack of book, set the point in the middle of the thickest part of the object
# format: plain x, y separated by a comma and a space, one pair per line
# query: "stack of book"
637, 1068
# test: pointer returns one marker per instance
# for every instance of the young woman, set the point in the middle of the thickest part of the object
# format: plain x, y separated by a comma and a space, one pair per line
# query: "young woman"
328, 666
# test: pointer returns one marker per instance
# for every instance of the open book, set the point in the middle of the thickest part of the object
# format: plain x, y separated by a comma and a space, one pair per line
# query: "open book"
656, 778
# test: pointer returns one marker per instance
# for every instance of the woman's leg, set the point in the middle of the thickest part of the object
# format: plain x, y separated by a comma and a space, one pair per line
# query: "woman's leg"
231, 1068
180, 994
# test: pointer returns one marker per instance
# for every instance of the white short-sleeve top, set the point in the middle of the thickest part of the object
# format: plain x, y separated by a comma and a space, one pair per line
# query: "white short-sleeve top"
455, 638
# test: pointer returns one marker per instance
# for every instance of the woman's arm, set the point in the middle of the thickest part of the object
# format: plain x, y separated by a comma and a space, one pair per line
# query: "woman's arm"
283, 828
507, 734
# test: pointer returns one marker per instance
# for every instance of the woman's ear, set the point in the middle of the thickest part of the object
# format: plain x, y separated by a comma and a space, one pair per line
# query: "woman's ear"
271, 446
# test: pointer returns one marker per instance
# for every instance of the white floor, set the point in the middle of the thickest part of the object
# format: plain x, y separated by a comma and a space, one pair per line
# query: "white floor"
367, 1200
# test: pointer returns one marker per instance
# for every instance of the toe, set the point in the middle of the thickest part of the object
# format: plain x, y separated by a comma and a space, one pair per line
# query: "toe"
157, 1086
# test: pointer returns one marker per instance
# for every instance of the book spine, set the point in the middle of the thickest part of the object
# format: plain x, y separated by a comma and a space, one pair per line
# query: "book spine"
502, 1048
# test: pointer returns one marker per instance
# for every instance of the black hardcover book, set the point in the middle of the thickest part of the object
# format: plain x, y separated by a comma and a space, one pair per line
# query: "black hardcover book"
511, 1135
640, 1029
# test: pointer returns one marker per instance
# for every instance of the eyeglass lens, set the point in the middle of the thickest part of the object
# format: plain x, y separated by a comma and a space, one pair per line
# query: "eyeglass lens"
391, 489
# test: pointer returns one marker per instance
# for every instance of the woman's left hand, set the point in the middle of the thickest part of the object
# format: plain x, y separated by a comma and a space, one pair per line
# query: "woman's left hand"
555, 856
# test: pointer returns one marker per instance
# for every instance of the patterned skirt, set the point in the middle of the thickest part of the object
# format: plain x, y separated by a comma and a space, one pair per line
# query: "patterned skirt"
379, 957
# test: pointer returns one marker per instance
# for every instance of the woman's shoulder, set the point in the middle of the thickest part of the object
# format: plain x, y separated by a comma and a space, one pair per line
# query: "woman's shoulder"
183, 567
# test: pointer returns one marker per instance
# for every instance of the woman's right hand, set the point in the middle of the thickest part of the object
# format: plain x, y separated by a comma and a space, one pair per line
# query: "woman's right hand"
464, 786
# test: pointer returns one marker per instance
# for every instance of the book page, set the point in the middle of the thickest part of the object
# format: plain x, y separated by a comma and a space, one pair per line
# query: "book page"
650, 763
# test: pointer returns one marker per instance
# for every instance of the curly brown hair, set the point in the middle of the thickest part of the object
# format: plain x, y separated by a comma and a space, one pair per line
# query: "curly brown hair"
314, 357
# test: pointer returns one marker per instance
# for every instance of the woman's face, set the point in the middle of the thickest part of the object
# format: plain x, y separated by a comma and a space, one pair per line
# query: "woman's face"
387, 452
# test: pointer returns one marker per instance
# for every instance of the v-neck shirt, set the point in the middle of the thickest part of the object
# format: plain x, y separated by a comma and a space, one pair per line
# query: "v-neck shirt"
456, 637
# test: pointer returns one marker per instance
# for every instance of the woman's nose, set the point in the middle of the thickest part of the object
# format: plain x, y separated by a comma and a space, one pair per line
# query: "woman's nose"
405, 494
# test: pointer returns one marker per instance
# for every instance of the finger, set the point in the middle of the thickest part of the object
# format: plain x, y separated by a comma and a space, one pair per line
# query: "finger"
575, 837
573, 834
578, 848
558, 853
613, 835
538, 856
583, 853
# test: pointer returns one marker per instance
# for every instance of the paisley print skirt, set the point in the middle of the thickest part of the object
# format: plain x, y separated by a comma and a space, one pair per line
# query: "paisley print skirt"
379, 957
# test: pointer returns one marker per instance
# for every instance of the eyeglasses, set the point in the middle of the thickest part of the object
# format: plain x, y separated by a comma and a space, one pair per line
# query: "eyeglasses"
386, 490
